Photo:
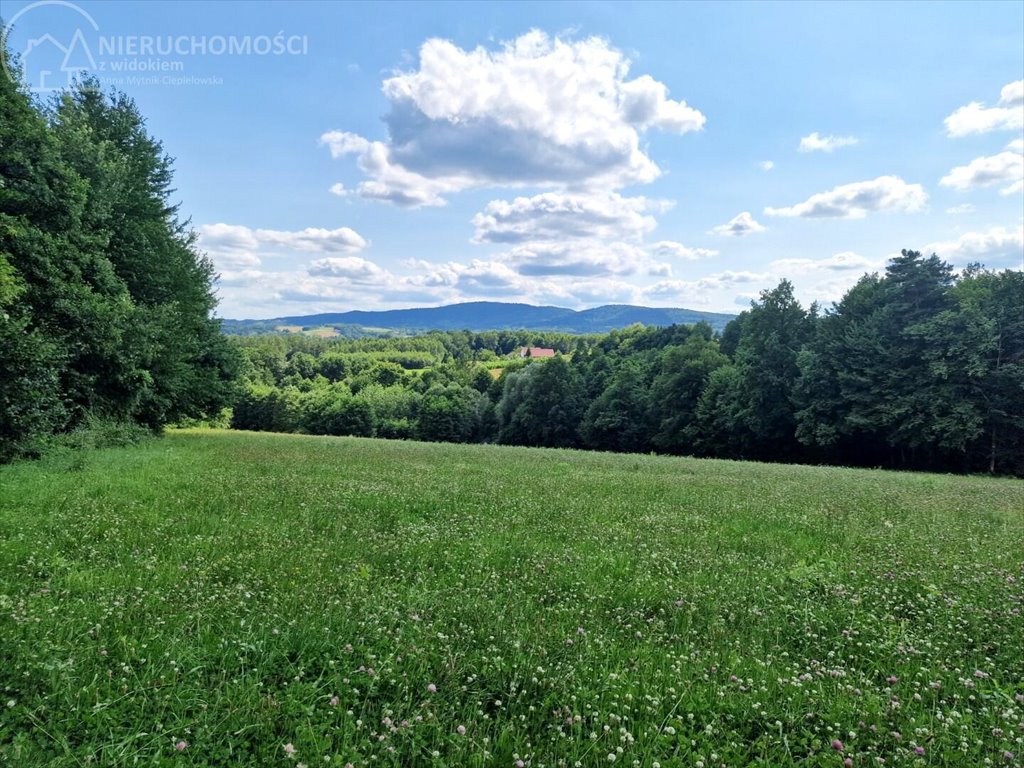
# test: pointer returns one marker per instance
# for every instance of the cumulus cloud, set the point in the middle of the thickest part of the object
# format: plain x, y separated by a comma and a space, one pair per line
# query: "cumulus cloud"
582, 258
672, 249
816, 143
237, 250
766, 165
560, 216
700, 291
644, 103
841, 262
537, 111
239, 277
1007, 115
855, 201
236, 245
579, 235
1007, 167
998, 244
229, 245
313, 240
354, 268
741, 225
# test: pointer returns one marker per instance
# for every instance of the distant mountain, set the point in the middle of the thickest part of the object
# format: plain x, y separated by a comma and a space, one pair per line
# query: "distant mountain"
489, 316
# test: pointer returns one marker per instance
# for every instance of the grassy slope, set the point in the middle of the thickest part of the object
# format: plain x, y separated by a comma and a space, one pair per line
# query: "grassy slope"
220, 588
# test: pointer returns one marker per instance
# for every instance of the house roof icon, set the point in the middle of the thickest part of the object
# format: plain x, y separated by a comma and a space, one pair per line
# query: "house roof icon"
76, 57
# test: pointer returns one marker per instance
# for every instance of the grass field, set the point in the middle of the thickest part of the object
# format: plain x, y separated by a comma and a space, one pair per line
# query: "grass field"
217, 598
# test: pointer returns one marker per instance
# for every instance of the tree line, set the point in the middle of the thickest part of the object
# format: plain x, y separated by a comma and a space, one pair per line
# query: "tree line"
916, 368
105, 301
106, 311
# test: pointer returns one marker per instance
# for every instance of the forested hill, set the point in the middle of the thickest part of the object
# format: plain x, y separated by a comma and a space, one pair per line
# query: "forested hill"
493, 316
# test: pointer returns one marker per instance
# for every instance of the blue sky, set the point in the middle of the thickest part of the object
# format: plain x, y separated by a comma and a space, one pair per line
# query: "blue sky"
348, 156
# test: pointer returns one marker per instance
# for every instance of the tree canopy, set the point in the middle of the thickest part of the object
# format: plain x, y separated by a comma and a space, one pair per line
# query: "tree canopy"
105, 301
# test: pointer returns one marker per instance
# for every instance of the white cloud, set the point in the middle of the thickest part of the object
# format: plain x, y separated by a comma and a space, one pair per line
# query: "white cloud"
672, 249
962, 208
997, 244
354, 268
582, 258
855, 201
560, 216
239, 277
702, 291
235, 249
1004, 168
766, 165
816, 143
229, 245
741, 225
1012, 94
644, 103
313, 240
826, 279
538, 111
840, 262
1008, 115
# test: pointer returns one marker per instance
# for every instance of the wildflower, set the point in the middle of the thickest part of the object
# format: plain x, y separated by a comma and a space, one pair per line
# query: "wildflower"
461, 730
837, 745
980, 675
848, 762
892, 679
918, 750
334, 701
289, 749
1007, 755
612, 757
181, 746
431, 688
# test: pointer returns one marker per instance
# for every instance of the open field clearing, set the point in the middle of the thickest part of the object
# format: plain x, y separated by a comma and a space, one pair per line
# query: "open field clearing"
217, 598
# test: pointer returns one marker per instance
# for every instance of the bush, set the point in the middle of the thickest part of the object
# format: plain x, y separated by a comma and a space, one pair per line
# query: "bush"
99, 432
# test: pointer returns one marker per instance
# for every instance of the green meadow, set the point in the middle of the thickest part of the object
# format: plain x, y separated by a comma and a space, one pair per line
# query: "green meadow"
237, 599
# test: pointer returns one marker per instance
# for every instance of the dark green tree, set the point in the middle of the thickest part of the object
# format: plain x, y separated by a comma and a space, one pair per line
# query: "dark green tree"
541, 405
619, 419
684, 372
774, 331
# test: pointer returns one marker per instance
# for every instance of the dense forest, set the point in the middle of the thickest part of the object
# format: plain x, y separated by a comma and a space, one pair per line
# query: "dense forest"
918, 368
105, 302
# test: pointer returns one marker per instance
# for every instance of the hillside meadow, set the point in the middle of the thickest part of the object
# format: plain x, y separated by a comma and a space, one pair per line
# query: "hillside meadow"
239, 599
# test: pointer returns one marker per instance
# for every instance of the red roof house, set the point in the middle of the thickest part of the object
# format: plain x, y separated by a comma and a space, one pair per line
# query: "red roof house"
536, 352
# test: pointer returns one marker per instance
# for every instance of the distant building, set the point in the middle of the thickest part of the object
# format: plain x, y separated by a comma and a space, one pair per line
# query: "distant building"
536, 352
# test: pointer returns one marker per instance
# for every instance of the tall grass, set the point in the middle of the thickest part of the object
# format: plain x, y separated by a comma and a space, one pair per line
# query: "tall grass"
221, 599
